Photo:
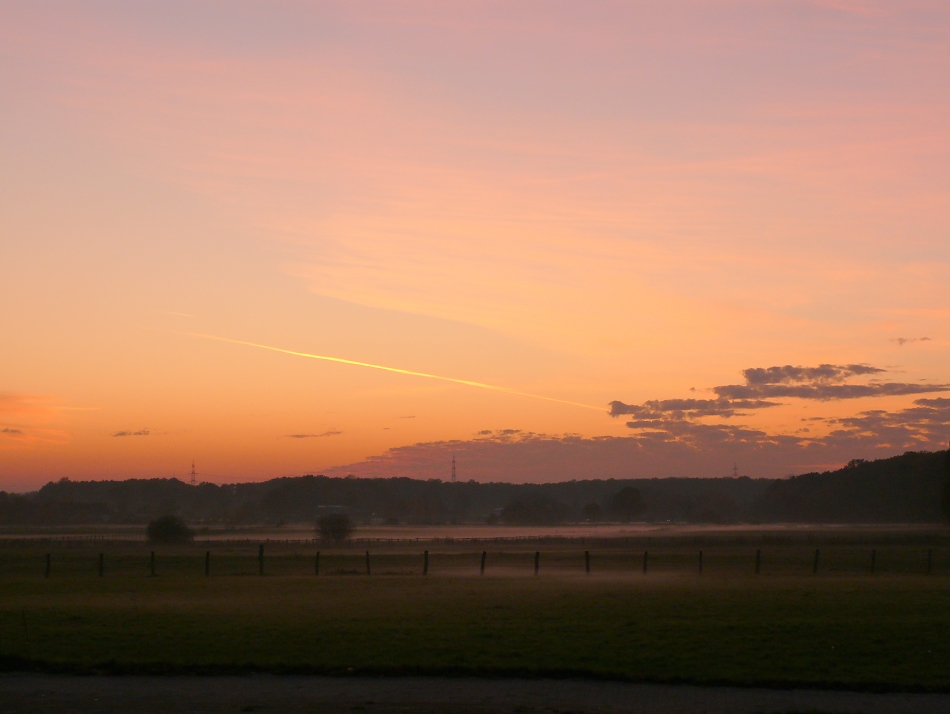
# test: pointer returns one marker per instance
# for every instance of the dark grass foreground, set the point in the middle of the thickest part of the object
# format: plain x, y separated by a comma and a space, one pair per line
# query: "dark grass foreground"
882, 633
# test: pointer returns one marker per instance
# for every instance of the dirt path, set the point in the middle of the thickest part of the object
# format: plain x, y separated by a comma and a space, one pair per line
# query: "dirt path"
53, 694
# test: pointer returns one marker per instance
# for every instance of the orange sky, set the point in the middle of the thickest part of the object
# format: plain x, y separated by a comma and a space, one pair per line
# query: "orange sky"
585, 202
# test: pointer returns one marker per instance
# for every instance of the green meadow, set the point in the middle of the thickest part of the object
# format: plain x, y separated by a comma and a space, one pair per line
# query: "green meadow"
845, 626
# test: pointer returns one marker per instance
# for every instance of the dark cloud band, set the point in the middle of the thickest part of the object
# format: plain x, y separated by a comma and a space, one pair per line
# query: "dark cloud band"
763, 384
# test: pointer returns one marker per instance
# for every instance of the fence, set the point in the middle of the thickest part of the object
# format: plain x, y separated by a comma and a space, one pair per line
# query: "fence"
284, 558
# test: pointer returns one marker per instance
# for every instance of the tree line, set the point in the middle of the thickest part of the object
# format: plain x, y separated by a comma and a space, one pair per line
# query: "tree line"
911, 488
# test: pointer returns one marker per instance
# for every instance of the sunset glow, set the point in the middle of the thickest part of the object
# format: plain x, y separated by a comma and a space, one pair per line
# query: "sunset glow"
616, 230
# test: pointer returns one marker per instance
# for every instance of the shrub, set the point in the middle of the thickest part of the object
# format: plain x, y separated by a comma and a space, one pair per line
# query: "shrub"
334, 527
169, 529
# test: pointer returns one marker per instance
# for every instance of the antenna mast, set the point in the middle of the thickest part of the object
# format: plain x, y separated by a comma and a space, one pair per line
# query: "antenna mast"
194, 480
735, 470
453, 468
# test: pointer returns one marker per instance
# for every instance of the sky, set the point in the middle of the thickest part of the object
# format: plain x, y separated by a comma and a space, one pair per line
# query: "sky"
585, 240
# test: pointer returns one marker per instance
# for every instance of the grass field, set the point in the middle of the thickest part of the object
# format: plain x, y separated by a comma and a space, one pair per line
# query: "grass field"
844, 627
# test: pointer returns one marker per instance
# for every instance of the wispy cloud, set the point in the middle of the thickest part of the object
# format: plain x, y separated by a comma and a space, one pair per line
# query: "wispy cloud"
140, 432
31, 420
314, 436
500, 434
909, 340
822, 374
28, 405
688, 408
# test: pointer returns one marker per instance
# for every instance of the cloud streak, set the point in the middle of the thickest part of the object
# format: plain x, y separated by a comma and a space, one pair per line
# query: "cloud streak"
397, 370
314, 436
141, 432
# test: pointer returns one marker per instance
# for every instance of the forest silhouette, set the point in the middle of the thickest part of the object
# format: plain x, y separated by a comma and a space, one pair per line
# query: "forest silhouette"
911, 488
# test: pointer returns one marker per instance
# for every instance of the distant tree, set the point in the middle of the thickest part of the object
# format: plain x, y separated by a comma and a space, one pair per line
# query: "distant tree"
334, 527
711, 507
427, 509
540, 511
626, 504
169, 529
593, 512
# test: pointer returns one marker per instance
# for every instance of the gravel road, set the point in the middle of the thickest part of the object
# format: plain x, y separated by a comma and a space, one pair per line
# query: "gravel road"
55, 694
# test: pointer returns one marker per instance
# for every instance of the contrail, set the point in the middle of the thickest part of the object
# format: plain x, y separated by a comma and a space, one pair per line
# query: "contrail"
409, 372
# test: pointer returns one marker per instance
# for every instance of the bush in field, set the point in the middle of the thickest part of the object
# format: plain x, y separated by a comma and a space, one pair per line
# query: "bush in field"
169, 529
334, 527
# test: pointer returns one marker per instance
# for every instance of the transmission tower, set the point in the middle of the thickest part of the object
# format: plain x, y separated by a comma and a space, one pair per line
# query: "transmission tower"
453, 468
735, 470
194, 474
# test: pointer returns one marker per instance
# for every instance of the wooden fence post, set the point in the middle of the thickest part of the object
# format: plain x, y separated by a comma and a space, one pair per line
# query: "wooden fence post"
700, 562
758, 561
151, 567
367, 563
102, 565
482, 569
316, 564
645, 560
49, 558
207, 563
425, 562
537, 561
587, 562
814, 567
260, 559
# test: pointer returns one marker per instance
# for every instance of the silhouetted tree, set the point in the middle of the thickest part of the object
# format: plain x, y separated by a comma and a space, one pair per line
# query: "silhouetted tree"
334, 527
169, 529
593, 512
626, 504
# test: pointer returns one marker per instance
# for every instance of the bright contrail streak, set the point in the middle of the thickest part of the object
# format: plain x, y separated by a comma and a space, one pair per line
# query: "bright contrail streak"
466, 382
